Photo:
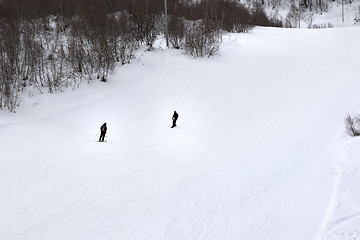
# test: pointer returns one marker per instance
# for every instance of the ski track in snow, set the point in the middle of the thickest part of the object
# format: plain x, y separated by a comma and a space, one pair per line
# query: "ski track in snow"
259, 152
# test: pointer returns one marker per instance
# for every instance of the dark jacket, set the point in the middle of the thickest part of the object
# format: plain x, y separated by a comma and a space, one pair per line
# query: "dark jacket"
175, 116
103, 128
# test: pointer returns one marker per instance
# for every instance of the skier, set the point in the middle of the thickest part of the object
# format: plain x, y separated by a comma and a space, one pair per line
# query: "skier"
174, 118
103, 129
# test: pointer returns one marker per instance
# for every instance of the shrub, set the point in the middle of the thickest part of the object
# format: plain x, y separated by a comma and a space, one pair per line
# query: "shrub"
201, 40
353, 125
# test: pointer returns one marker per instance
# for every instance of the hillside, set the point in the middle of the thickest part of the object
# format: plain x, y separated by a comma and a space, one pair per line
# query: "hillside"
332, 17
260, 150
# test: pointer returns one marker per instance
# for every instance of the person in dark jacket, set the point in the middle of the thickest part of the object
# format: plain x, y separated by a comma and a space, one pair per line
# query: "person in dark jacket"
103, 129
174, 118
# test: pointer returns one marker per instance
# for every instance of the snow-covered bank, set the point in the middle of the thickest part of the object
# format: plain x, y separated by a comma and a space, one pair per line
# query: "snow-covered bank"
251, 158
345, 215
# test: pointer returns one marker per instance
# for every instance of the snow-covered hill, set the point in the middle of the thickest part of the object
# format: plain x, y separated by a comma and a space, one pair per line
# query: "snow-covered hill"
337, 15
260, 150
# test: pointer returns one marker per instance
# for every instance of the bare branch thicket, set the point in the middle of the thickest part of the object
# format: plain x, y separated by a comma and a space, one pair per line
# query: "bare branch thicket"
352, 125
298, 11
201, 41
126, 43
321, 6
150, 29
293, 17
144, 30
10, 64
127, 48
176, 31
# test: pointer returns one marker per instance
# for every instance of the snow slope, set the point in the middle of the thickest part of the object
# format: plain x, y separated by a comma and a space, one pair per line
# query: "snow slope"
259, 151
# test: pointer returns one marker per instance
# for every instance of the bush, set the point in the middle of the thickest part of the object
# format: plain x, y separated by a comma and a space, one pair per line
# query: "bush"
201, 40
353, 125
176, 31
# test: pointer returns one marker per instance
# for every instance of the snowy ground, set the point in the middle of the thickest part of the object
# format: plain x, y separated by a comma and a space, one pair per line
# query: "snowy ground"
259, 152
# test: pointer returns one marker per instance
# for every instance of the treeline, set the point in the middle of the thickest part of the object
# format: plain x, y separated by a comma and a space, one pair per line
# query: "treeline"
56, 44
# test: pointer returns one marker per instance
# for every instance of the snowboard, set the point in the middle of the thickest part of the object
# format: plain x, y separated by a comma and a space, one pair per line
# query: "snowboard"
102, 141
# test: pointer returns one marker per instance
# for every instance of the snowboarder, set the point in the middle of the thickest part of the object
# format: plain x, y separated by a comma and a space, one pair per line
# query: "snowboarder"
174, 118
103, 129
